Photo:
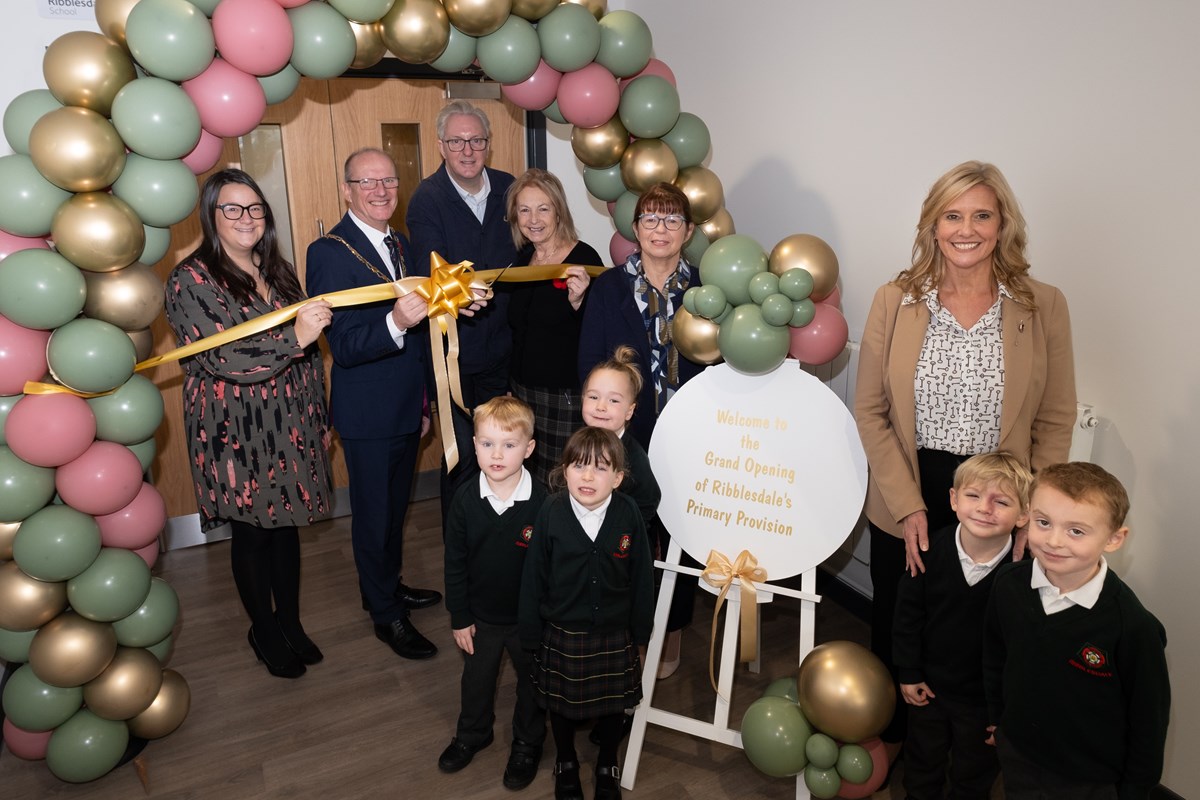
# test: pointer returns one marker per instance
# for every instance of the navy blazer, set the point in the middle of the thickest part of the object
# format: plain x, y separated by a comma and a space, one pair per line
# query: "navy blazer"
377, 388
611, 318
440, 221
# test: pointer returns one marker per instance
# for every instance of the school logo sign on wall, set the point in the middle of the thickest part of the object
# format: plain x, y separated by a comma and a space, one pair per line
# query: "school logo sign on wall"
67, 9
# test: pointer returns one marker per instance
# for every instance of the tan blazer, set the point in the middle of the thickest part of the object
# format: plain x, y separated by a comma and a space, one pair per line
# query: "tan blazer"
1036, 417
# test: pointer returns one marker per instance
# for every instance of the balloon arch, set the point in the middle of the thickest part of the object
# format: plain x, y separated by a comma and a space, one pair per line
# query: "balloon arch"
105, 161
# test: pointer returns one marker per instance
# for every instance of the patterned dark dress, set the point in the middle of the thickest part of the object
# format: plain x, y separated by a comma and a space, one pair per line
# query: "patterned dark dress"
254, 410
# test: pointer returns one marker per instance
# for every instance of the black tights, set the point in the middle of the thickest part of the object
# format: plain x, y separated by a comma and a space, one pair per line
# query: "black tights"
266, 570
610, 730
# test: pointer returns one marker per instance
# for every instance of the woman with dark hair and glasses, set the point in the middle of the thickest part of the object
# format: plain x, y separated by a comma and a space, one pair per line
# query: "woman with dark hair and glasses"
634, 304
254, 410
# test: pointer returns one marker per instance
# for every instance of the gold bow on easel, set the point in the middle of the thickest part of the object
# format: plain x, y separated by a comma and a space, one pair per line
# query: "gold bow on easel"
720, 573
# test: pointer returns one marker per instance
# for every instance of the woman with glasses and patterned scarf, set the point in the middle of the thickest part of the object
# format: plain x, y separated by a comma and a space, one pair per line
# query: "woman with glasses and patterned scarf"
634, 304
254, 410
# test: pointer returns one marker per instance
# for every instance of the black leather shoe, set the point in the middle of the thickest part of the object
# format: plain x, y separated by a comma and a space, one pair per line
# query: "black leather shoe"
286, 668
522, 765
458, 754
566, 781
418, 598
304, 648
608, 783
405, 640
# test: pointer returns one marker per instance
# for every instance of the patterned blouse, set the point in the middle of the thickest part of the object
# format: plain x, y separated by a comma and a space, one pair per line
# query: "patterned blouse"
658, 312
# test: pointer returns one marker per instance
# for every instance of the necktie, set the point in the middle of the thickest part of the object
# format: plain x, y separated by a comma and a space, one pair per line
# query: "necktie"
393, 245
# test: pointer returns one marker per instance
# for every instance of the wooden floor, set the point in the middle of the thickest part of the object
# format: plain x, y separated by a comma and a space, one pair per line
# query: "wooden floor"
367, 724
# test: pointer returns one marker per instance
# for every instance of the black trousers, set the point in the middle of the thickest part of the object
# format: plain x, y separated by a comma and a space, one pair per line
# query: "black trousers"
480, 674
948, 735
1026, 780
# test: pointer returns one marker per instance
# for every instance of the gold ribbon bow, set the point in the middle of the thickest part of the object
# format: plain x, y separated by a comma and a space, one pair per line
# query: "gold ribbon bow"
720, 573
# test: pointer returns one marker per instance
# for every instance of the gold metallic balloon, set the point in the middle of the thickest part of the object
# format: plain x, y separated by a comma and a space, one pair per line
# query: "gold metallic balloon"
27, 603
696, 337
8, 532
416, 31
845, 691
533, 10
168, 710
704, 191
602, 146
130, 298
77, 149
810, 253
598, 7
127, 686
647, 162
718, 225
86, 69
98, 232
71, 650
111, 17
368, 44
143, 341
477, 17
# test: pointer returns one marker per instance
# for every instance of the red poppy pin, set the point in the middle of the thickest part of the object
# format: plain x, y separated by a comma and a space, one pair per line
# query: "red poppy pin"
560, 283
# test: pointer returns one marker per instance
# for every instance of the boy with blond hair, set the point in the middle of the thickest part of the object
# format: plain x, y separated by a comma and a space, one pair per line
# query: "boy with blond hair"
488, 527
938, 633
1074, 666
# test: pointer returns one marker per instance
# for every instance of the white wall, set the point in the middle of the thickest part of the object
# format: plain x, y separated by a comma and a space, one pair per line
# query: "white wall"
833, 118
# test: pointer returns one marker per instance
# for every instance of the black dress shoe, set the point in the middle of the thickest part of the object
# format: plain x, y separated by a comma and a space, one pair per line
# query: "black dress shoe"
304, 648
458, 753
522, 765
608, 783
405, 640
289, 667
566, 781
418, 598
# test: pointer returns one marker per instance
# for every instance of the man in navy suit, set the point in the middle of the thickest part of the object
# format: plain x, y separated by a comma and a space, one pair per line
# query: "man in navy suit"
378, 390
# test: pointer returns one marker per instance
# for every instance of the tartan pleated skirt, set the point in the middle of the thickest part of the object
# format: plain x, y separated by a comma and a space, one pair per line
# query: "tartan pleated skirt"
583, 675
556, 415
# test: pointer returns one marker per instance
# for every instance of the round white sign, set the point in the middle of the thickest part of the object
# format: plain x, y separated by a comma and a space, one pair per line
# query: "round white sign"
766, 463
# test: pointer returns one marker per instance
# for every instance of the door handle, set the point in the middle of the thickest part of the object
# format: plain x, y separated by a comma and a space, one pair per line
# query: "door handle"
320, 228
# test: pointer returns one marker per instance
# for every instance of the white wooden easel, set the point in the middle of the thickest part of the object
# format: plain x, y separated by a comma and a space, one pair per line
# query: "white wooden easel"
718, 730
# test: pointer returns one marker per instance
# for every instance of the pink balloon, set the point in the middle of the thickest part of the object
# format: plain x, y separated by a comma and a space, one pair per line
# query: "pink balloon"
834, 298
230, 102
655, 67
620, 248
253, 35
821, 340
149, 553
105, 479
535, 92
25, 744
588, 97
10, 244
611, 205
205, 154
48, 430
22, 356
879, 772
137, 524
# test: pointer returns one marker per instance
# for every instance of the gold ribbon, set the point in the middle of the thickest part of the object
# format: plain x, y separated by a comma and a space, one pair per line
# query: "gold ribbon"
720, 574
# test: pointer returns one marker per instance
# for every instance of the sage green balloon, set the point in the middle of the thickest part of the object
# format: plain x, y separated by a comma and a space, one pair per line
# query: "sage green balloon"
822, 751
731, 262
145, 452
710, 301
14, 645
749, 343
459, 53
623, 215
854, 763
207, 6
777, 310
510, 53
162, 650
86, 747
689, 299
89, 355
34, 705
773, 736
324, 41
281, 85
649, 107
625, 43
24, 488
689, 140
696, 247
362, 10
156, 118
56, 543
40, 289
569, 37
24, 110
160, 192
130, 414
6, 404
604, 184
762, 286
153, 620
796, 283
803, 312
112, 588
158, 242
551, 112
27, 200
783, 687
171, 39
822, 783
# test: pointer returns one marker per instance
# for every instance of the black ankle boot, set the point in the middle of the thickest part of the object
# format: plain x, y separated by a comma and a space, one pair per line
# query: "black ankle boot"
566, 781
608, 783
286, 667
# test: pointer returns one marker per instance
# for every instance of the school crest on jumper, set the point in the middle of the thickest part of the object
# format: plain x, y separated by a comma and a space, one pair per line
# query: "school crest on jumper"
1092, 660
526, 535
623, 545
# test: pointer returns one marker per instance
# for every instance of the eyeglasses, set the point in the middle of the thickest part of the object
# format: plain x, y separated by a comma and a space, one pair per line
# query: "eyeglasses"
456, 145
650, 221
369, 184
234, 212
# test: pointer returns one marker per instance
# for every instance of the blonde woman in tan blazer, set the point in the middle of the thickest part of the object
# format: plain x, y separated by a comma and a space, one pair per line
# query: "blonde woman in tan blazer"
962, 353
